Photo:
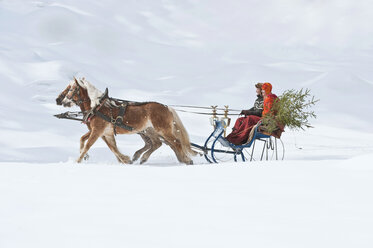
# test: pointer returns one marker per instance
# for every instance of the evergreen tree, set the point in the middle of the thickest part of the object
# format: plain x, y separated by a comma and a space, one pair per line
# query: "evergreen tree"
292, 109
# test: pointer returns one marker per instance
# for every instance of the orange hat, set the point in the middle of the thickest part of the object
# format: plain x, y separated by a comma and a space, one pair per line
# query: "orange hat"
267, 87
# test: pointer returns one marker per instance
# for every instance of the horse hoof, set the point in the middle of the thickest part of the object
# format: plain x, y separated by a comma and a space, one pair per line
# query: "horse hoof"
126, 161
134, 158
86, 157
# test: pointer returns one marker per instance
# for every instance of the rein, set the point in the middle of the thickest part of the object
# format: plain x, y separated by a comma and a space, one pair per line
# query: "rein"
201, 113
201, 107
212, 108
131, 103
118, 121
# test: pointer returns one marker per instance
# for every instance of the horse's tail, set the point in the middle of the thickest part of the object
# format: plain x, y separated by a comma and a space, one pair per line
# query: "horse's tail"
180, 132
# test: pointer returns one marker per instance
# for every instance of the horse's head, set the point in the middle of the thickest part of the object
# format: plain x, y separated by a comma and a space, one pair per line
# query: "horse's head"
62, 95
74, 94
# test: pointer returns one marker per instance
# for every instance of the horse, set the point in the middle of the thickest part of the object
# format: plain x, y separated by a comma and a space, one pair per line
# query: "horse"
105, 117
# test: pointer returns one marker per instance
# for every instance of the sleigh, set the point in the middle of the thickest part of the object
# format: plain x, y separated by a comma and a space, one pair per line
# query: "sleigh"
218, 149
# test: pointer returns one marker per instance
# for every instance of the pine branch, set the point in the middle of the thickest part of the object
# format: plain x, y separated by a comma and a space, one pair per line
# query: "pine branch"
291, 109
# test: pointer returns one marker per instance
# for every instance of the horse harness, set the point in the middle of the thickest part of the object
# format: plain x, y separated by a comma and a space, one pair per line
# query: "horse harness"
88, 115
117, 121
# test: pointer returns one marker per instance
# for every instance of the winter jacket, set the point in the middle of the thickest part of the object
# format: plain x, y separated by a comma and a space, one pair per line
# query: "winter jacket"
268, 103
257, 109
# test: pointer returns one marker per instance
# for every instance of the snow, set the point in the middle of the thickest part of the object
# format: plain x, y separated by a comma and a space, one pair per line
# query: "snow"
278, 204
190, 53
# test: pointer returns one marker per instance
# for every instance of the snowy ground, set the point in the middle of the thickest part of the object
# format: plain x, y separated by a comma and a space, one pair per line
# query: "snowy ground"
279, 204
192, 53
319, 196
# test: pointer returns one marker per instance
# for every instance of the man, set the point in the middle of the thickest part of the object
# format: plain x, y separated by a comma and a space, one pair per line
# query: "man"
258, 105
243, 125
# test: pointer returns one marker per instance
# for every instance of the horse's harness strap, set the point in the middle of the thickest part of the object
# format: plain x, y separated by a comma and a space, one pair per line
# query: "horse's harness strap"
77, 93
118, 121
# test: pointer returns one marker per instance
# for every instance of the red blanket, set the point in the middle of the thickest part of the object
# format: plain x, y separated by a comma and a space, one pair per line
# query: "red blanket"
242, 128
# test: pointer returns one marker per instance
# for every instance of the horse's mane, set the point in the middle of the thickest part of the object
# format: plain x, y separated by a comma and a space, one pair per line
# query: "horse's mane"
93, 93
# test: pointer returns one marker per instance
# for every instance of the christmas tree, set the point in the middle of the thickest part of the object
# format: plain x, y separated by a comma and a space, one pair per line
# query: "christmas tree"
292, 109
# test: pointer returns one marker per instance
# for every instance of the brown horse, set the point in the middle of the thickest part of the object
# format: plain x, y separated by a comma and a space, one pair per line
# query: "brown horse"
154, 122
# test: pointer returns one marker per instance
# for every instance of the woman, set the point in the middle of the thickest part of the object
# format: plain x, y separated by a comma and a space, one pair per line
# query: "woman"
269, 98
243, 125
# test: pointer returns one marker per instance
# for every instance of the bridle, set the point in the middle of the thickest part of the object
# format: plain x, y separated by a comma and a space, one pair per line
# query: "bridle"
76, 93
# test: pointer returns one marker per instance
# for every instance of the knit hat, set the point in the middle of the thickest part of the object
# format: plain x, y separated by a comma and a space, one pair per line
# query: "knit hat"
267, 87
258, 85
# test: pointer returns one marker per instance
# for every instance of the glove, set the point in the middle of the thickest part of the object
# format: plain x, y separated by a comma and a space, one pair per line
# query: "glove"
244, 112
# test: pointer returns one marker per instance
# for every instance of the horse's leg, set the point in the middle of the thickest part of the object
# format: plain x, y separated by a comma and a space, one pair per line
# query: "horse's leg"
109, 145
168, 125
175, 145
94, 135
112, 144
82, 141
156, 143
147, 146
